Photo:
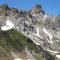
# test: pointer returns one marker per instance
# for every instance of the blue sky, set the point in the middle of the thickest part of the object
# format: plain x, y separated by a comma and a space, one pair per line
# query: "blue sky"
52, 7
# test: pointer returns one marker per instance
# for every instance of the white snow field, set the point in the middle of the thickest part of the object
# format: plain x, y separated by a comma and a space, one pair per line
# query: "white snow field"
8, 25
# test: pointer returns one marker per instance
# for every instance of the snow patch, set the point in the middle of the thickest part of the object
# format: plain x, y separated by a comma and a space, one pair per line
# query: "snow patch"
34, 15
55, 52
37, 31
48, 34
18, 59
57, 40
8, 25
45, 16
58, 56
29, 59
37, 34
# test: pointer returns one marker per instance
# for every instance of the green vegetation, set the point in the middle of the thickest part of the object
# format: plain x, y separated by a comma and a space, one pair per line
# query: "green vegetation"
4, 6
14, 40
37, 8
38, 57
15, 10
3, 9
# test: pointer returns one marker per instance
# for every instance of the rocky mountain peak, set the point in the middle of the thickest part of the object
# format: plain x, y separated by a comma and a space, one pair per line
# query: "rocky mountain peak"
35, 24
37, 9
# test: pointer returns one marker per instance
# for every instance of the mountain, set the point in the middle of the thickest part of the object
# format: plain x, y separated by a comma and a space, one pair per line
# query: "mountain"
6, 10
40, 32
13, 43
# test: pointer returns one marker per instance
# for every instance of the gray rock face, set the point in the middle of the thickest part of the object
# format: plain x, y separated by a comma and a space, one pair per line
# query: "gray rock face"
57, 21
42, 29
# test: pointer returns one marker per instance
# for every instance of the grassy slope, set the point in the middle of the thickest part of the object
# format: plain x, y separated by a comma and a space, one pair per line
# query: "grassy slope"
13, 40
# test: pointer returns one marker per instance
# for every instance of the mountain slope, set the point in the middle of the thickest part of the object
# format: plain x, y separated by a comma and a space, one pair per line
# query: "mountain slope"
42, 31
16, 42
10, 40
